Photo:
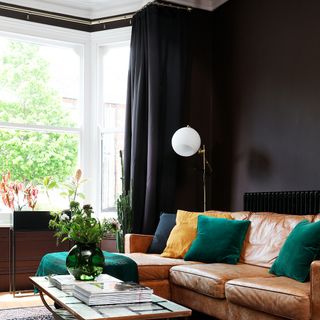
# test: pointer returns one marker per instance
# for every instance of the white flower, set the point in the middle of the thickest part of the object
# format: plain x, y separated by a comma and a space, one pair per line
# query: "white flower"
64, 217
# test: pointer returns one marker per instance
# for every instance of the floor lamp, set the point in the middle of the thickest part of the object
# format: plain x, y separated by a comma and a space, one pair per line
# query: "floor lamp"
186, 142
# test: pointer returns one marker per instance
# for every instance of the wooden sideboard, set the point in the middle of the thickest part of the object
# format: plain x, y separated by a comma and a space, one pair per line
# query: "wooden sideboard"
4, 258
30, 246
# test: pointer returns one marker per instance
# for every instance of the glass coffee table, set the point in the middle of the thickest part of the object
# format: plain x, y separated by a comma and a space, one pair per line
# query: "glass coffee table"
72, 308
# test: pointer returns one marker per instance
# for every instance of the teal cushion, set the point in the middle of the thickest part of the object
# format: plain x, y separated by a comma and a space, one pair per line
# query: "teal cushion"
299, 250
218, 240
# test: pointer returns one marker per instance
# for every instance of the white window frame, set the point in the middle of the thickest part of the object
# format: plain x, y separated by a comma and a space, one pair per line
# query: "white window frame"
108, 38
88, 45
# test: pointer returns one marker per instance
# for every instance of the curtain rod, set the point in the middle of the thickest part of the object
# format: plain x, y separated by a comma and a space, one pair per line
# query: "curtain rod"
84, 21
163, 4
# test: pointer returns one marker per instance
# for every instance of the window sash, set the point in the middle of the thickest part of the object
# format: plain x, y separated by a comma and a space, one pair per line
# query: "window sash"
38, 128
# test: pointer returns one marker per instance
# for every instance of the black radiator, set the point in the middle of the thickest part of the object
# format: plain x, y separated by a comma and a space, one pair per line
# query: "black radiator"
294, 202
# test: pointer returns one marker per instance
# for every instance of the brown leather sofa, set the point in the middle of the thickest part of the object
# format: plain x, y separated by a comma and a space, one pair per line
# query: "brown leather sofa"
238, 292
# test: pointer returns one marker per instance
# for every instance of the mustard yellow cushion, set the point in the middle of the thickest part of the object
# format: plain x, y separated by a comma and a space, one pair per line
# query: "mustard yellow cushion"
185, 231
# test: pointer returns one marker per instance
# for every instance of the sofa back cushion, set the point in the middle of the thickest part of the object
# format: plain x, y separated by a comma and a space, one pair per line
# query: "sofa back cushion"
266, 235
241, 215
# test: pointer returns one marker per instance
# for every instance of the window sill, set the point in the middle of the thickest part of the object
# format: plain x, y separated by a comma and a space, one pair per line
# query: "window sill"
6, 219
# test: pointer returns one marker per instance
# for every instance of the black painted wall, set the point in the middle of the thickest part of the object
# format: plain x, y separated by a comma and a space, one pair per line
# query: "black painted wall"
271, 90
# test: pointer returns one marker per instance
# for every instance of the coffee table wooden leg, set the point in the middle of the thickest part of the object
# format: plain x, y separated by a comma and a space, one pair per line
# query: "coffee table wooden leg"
56, 316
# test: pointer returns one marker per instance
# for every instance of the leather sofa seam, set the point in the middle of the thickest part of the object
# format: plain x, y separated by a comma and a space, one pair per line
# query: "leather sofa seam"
199, 292
266, 290
195, 274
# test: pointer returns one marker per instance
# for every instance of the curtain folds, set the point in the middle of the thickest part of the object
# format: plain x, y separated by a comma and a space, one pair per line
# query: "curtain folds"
157, 89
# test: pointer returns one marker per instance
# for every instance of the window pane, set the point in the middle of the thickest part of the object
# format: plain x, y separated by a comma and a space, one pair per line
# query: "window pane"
31, 156
112, 143
115, 72
39, 84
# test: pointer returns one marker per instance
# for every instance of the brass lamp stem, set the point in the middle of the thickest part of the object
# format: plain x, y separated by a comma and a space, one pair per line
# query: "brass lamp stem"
203, 152
205, 163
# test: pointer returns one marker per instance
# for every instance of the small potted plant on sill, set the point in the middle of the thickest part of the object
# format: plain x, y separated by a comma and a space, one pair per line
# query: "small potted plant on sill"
21, 198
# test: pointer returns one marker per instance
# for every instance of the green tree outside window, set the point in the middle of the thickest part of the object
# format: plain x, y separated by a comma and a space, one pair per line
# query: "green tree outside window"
31, 155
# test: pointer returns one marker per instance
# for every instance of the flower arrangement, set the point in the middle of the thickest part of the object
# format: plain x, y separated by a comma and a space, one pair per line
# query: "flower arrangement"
80, 226
17, 195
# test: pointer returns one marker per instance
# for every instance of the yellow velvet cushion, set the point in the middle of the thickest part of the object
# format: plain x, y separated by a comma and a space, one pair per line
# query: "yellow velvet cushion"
185, 231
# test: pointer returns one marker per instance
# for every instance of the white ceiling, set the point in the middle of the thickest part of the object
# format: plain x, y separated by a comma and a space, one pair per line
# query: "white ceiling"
94, 9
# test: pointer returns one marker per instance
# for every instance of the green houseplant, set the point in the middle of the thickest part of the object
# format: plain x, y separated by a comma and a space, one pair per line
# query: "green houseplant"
124, 211
85, 260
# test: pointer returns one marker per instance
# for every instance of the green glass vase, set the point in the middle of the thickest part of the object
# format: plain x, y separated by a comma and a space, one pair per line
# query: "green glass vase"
85, 261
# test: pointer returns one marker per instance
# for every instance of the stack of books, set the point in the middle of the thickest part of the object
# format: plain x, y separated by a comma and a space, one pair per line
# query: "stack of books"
67, 282
64, 283
111, 292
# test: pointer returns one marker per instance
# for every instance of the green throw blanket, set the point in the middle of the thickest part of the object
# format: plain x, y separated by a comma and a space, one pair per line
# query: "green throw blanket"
116, 265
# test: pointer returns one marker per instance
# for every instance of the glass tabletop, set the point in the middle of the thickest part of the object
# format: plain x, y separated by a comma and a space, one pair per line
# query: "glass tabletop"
73, 308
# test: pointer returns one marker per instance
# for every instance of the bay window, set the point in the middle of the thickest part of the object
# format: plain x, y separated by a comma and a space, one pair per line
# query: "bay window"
62, 107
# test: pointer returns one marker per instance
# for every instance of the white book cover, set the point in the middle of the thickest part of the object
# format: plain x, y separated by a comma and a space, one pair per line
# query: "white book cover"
65, 282
109, 287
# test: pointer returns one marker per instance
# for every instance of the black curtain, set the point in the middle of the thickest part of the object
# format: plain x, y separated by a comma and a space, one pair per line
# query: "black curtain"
157, 86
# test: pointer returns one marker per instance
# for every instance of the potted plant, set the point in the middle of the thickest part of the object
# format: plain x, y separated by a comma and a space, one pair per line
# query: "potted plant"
124, 211
17, 195
85, 260
22, 197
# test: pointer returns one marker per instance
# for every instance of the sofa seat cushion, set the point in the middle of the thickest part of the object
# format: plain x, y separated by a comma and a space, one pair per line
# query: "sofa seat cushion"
279, 296
153, 266
209, 279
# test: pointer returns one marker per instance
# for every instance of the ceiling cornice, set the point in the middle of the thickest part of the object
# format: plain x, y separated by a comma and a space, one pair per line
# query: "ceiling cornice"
118, 14
49, 7
83, 9
64, 20
74, 8
116, 9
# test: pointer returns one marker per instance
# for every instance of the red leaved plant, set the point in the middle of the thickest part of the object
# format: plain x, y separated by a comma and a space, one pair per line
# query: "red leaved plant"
16, 195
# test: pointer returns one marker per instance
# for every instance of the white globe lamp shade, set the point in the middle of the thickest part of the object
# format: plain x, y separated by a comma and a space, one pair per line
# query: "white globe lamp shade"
186, 142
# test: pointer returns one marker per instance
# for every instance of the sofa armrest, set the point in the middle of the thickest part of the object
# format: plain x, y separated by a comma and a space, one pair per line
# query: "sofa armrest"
315, 289
137, 242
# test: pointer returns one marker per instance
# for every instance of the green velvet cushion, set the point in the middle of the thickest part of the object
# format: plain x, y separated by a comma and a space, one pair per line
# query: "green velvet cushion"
218, 240
299, 250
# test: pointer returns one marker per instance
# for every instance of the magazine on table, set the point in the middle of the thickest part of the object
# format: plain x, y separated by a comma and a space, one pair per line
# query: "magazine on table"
108, 292
67, 282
